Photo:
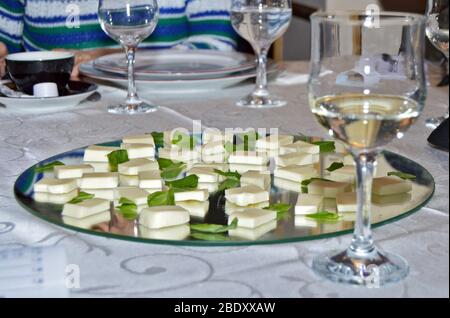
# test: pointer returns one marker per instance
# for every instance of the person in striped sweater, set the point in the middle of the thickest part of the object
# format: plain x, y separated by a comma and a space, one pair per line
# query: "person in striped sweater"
30, 25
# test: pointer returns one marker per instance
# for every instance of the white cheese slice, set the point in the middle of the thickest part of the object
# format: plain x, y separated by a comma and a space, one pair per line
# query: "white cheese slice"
163, 216
349, 161
253, 234
296, 158
259, 179
286, 184
274, 141
329, 205
212, 148
308, 203
180, 154
196, 208
137, 151
220, 158
99, 166
383, 200
89, 221
46, 197
252, 218
248, 157
151, 191
172, 233
85, 208
192, 195
128, 181
107, 194
134, 166
139, 139
242, 168
207, 175
246, 195
390, 185
71, 171
346, 202
303, 221
134, 194
210, 187
100, 180
56, 186
300, 146
214, 135
344, 174
98, 153
231, 208
150, 180
219, 166
328, 189
296, 173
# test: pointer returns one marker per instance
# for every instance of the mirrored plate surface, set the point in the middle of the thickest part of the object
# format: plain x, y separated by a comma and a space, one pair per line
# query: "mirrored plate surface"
290, 228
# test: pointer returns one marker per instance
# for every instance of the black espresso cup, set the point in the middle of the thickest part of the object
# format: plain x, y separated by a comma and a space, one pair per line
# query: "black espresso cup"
30, 68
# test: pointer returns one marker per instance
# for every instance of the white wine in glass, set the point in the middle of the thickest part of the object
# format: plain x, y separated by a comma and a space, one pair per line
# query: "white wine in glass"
129, 22
361, 104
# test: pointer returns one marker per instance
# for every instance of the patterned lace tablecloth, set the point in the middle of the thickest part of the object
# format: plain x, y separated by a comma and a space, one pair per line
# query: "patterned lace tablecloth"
113, 268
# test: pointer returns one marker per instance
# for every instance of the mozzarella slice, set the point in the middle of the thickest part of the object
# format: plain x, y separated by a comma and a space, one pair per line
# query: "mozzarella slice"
172, 233
137, 151
349, 161
196, 208
296, 158
308, 203
287, 184
329, 205
252, 218
296, 173
107, 194
207, 175
346, 202
259, 179
101, 180
300, 146
192, 195
98, 153
210, 187
253, 234
344, 174
128, 181
150, 180
56, 186
85, 208
392, 199
99, 166
71, 171
46, 197
242, 168
231, 208
274, 141
328, 189
136, 195
89, 221
390, 185
247, 195
303, 221
163, 216
212, 148
139, 139
248, 157
134, 166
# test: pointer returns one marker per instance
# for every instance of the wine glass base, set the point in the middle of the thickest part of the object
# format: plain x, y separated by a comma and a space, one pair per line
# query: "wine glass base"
124, 109
434, 122
261, 101
372, 270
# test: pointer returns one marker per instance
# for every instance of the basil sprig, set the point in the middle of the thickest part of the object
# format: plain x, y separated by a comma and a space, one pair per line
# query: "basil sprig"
117, 157
325, 146
232, 179
214, 228
335, 166
187, 183
170, 169
128, 209
158, 138
402, 175
324, 216
209, 236
282, 210
161, 198
82, 196
48, 167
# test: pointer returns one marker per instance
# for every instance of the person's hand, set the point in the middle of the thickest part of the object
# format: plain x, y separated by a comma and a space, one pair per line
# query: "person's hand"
86, 56
3, 54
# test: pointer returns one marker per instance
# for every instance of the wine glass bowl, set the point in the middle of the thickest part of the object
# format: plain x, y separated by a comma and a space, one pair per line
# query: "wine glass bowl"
373, 90
261, 22
129, 22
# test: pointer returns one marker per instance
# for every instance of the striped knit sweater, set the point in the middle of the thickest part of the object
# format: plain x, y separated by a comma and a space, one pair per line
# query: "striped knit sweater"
72, 24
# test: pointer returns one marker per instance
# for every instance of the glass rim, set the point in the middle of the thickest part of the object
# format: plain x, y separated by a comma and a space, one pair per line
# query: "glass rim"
406, 18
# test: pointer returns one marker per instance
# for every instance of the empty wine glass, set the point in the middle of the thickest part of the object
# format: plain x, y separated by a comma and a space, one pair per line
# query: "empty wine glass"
365, 102
261, 22
437, 33
129, 22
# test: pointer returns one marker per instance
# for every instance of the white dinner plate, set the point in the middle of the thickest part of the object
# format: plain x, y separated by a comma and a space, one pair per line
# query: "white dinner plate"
163, 86
48, 103
177, 64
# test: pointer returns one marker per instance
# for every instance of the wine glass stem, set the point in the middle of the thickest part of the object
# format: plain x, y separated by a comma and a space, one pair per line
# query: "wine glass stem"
362, 242
261, 77
132, 98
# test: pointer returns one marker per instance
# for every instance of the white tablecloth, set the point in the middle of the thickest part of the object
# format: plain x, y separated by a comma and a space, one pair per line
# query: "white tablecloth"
118, 268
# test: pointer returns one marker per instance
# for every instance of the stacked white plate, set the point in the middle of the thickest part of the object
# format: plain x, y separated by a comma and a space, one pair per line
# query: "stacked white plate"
175, 70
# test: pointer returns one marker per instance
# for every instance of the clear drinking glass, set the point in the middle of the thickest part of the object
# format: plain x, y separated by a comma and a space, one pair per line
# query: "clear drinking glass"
437, 33
261, 22
373, 91
129, 22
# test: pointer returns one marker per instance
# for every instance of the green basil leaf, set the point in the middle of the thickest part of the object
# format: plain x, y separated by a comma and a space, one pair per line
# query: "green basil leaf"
82, 196
324, 216
173, 171
209, 237
335, 166
282, 210
161, 198
48, 167
164, 163
214, 228
229, 174
117, 157
128, 209
229, 184
403, 175
158, 138
325, 146
187, 183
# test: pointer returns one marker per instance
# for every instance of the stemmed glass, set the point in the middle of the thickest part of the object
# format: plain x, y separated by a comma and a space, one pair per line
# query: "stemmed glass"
129, 22
437, 33
261, 22
365, 102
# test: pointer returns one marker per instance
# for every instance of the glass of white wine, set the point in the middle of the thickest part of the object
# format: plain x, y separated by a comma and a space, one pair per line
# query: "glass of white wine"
366, 101
437, 33
129, 22
261, 22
